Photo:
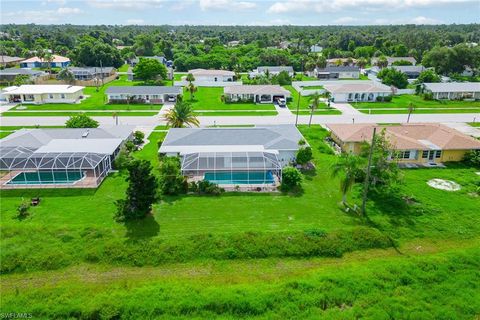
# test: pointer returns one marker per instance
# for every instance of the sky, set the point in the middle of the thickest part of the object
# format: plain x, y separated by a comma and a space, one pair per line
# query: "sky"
240, 12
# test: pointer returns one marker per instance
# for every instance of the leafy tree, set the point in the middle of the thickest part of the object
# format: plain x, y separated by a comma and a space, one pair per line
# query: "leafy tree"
172, 182
150, 69
66, 75
283, 78
190, 78
472, 158
180, 115
394, 77
21, 79
349, 166
304, 155
362, 62
291, 179
401, 50
401, 63
93, 52
382, 62
81, 121
138, 137
428, 76
140, 194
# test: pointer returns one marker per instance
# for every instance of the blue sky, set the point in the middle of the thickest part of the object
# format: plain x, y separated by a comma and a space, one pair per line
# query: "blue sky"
240, 12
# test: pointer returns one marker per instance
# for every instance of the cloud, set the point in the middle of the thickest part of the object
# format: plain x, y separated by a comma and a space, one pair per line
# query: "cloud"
206, 5
345, 20
38, 16
126, 4
288, 6
67, 10
136, 21
425, 20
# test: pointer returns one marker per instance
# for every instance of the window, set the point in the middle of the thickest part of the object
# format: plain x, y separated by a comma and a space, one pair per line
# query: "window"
404, 154
50, 95
438, 154
62, 95
425, 154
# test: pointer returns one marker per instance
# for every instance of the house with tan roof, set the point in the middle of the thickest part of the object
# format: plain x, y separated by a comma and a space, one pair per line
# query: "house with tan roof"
359, 91
40, 94
420, 143
212, 75
36, 62
392, 60
255, 93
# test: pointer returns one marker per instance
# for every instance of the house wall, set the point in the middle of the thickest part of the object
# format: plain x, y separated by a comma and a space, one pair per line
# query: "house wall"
455, 95
453, 155
349, 75
214, 78
149, 99
50, 98
352, 97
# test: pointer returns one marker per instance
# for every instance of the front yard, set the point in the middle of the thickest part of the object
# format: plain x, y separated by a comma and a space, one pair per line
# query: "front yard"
399, 104
305, 103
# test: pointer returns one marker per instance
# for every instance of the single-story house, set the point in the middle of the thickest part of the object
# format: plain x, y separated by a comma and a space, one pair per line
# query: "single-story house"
255, 93
9, 74
60, 158
233, 156
44, 93
341, 62
413, 143
8, 61
391, 60
36, 62
337, 72
357, 92
453, 90
161, 59
143, 94
212, 75
412, 72
89, 73
272, 70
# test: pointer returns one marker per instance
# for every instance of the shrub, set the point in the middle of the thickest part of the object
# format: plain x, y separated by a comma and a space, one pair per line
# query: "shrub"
122, 160
304, 155
138, 137
172, 182
207, 187
23, 210
428, 96
384, 98
81, 121
291, 179
472, 158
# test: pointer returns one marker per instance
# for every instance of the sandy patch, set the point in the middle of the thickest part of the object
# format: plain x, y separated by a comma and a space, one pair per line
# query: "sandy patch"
446, 185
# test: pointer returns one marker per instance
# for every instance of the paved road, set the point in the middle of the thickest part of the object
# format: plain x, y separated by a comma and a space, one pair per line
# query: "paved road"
259, 120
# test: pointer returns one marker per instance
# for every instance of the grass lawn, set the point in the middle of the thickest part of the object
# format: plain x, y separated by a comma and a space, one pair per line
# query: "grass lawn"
178, 76
209, 98
71, 113
70, 259
400, 104
312, 87
3, 134
236, 113
474, 124
124, 68
305, 103
96, 100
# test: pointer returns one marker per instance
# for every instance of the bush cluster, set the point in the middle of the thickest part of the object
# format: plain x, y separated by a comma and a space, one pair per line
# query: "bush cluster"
205, 187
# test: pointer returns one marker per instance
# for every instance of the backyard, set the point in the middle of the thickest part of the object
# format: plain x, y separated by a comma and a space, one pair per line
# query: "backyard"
399, 104
244, 255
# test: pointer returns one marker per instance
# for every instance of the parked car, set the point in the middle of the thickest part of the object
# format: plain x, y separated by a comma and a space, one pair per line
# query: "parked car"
282, 102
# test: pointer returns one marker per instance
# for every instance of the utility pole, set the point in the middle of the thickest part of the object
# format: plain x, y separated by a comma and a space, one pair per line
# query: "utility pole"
298, 108
411, 107
367, 176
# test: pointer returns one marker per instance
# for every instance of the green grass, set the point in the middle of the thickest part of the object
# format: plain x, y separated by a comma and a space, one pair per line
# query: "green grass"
4, 134
400, 104
124, 68
474, 124
178, 77
236, 113
71, 113
312, 87
209, 98
96, 100
305, 103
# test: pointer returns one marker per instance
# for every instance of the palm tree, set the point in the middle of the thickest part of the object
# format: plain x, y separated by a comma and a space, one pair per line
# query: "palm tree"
315, 99
48, 58
192, 89
411, 108
349, 166
328, 96
190, 78
181, 115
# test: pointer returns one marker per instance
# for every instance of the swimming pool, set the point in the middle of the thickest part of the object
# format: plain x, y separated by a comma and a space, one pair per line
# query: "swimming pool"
47, 177
240, 177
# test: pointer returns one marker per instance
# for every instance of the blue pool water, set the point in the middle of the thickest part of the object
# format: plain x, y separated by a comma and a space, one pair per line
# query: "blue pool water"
240, 177
47, 177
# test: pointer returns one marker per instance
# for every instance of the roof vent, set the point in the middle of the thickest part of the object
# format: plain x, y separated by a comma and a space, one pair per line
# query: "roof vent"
85, 134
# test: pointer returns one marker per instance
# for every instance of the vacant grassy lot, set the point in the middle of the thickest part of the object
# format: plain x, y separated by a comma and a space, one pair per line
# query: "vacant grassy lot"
399, 104
209, 98
259, 256
97, 100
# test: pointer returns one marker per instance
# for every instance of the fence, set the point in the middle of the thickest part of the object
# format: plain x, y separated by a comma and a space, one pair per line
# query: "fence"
52, 79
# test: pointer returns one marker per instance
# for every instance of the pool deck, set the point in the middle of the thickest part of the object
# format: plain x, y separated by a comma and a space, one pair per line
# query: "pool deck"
86, 182
269, 187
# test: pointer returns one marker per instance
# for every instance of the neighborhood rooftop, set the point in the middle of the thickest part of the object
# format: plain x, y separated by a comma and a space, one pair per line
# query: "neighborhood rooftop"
139, 90
365, 86
210, 72
18, 71
257, 89
453, 87
185, 140
46, 88
275, 68
55, 58
408, 136
338, 69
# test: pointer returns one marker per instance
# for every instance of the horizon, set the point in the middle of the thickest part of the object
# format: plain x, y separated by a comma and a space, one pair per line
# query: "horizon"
240, 13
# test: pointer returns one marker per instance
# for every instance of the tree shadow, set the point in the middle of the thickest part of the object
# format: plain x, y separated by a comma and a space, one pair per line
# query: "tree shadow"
142, 229
309, 174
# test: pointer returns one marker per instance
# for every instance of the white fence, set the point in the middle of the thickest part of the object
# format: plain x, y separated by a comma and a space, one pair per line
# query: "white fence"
208, 83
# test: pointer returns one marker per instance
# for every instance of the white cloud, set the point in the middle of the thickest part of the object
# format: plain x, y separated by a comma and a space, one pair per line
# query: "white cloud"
136, 21
206, 5
287, 6
38, 16
425, 20
67, 10
345, 20
59, 2
126, 4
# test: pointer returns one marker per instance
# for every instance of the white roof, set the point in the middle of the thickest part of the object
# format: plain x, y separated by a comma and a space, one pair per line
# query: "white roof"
364, 86
102, 146
453, 87
213, 148
211, 72
47, 88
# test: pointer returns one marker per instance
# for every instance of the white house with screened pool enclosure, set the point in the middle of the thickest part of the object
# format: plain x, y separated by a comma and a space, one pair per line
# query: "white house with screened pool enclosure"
60, 158
243, 157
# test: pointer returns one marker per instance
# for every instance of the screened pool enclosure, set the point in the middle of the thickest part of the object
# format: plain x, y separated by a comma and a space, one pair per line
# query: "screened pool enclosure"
67, 169
233, 168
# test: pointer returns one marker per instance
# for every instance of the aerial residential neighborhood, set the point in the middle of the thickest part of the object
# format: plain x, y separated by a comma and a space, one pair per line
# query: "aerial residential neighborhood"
239, 159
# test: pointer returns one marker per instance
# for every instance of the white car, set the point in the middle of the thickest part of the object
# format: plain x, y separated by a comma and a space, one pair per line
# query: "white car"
172, 99
282, 102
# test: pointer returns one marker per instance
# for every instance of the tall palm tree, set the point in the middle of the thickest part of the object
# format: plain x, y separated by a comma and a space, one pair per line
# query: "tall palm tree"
190, 78
181, 115
192, 89
48, 58
315, 100
349, 166
328, 96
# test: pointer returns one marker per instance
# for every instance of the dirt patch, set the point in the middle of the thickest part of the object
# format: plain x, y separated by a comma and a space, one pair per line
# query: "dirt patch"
446, 185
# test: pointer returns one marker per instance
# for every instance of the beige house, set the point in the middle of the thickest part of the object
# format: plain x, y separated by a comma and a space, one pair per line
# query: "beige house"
255, 93
420, 143
212, 75
453, 90
363, 91
40, 94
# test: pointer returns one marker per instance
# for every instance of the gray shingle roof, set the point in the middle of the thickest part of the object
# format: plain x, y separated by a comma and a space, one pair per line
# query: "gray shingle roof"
453, 87
91, 70
280, 137
144, 90
17, 71
339, 69
275, 68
